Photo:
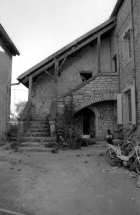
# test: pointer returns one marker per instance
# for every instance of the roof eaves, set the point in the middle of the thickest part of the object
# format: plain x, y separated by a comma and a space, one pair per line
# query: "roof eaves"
116, 8
66, 48
8, 42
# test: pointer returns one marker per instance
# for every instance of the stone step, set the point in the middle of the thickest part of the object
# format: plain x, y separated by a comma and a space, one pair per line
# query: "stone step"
38, 139
39, 119
32, 130
38, 126
36, 144
37, 134
34, 149
39, 122
13, 134
12, 138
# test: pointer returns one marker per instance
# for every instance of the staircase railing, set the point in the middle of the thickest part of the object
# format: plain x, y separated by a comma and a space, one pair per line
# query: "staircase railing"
23, 121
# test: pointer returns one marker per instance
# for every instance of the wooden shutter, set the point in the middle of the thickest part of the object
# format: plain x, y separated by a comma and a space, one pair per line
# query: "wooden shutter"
133, 105
119, 109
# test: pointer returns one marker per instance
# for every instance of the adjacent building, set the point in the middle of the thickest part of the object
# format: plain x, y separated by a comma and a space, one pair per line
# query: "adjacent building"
7, 51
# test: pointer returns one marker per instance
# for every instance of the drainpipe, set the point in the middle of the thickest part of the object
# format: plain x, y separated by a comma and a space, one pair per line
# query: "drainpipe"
8, 105
133, 54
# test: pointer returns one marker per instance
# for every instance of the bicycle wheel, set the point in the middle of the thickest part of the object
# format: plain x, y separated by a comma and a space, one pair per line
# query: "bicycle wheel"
137, 166
111, 157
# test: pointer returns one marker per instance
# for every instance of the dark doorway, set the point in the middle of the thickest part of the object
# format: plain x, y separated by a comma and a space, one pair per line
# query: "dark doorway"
86, 122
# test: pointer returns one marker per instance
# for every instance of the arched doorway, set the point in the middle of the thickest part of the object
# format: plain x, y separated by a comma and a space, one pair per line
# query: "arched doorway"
86, 122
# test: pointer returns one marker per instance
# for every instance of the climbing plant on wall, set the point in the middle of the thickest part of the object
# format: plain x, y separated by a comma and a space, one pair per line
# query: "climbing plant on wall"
68, 133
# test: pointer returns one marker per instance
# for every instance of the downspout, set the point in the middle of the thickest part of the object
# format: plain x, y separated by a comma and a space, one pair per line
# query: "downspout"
133, 54
8, 100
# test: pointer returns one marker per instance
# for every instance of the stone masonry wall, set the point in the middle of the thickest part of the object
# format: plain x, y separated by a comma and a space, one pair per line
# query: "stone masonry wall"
5, 80
96, 90
42, 96
136, 6
123, 23
84, 60
106, 118
117, 45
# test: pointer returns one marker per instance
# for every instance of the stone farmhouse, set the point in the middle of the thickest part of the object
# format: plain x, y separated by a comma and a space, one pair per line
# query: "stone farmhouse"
7, 50
100, 71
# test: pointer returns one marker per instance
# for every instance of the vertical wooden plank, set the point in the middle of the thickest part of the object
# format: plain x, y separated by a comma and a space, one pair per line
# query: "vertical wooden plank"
56, 78
133, 105
119, 109
8, 99
99, 53
115, 125
30, 87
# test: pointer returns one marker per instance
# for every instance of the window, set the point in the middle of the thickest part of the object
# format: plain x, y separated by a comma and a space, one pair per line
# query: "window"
85, 76
126, 106
114, 63
127, 49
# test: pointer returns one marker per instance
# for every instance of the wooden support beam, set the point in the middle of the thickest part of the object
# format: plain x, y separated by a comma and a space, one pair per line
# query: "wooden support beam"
30, 87
49, 74
99, 53
56, 78
39, 71
62, 64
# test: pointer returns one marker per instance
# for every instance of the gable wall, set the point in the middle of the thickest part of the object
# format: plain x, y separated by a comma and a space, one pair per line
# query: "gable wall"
126, 70
123, 23
5, 80
84, 60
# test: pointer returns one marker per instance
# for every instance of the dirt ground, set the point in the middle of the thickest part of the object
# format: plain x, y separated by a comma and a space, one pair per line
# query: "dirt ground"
77, 182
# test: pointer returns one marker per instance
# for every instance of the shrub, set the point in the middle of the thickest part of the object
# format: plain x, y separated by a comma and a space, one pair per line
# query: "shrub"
68, 134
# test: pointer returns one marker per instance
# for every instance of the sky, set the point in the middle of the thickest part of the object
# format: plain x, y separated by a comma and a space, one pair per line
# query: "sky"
38, 28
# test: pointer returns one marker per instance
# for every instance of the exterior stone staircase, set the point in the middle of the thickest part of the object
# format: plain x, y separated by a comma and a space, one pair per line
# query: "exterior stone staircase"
37, 137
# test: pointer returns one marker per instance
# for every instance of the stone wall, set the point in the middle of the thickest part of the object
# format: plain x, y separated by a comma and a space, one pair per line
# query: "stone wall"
102, 87
136, 5
123, 23
5, 80
42, 96
104, 116
100, 92
106, 119
117, 46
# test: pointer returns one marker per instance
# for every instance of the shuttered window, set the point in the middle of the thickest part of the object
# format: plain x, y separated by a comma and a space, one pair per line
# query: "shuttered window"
126, 107
129, 105
119, 109
133, 105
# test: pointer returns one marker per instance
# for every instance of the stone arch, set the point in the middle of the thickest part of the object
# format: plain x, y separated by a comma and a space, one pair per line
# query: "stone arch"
95, 110
97, 115
95, 99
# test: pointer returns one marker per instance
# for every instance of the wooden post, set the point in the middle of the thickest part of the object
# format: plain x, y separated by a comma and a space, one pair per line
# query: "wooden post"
99, 53
56, 78
8, 98
30, 87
